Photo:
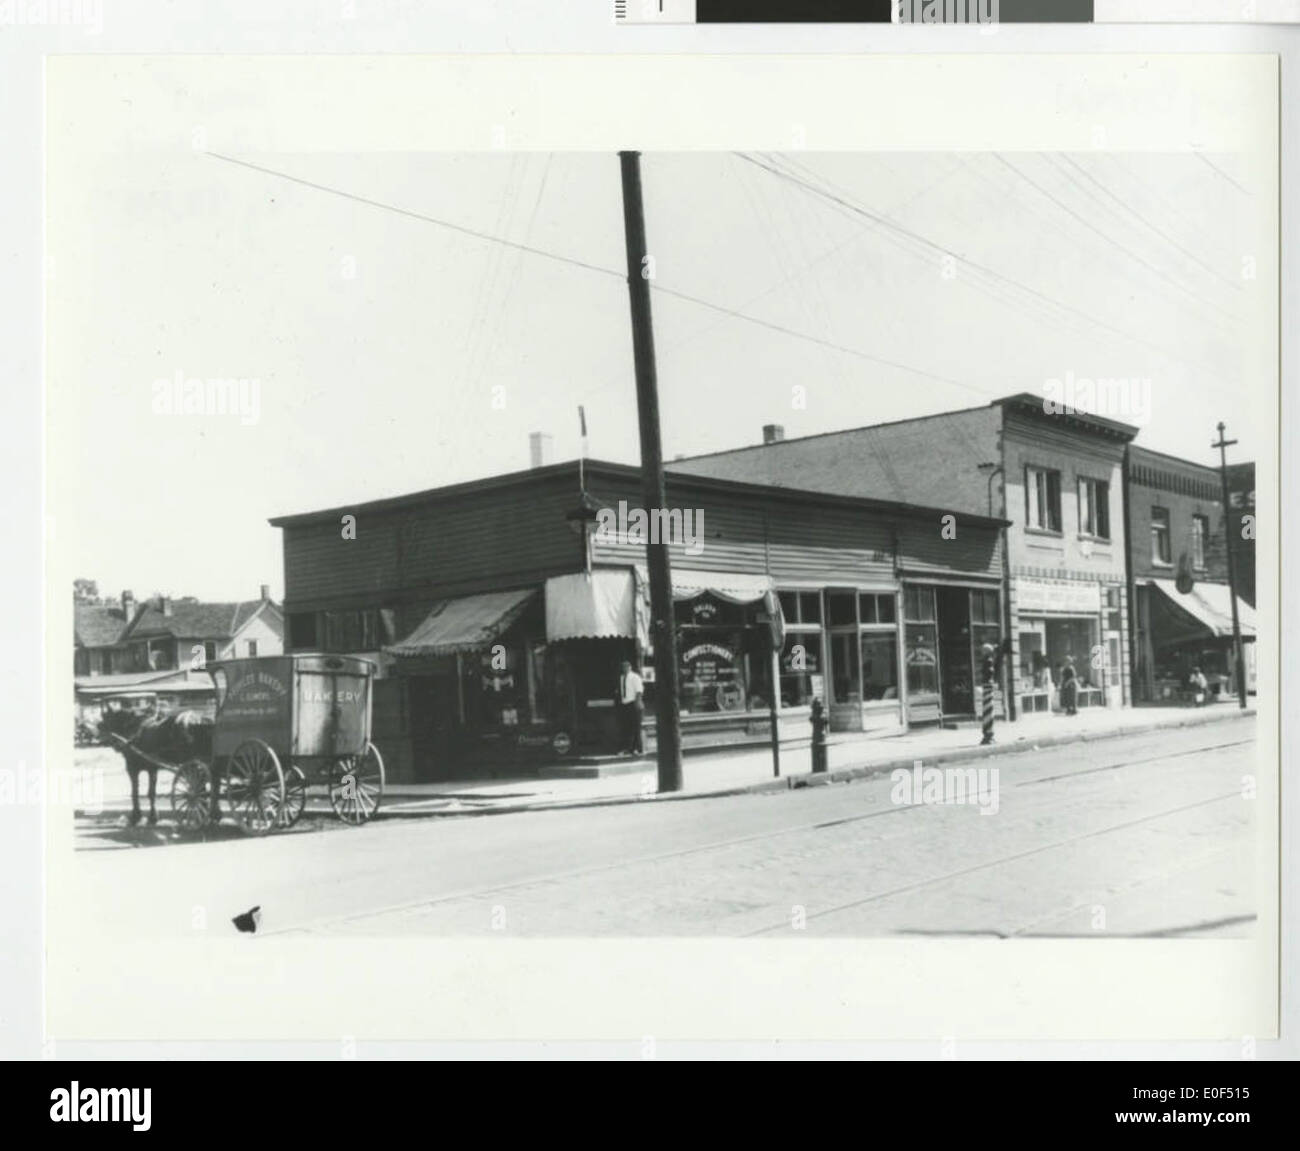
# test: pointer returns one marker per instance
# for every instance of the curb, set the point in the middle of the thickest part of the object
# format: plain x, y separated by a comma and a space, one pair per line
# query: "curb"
839, 775
803, 780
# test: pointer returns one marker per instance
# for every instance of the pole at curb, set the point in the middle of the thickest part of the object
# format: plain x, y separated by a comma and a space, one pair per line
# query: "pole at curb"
668, 726
1223, 445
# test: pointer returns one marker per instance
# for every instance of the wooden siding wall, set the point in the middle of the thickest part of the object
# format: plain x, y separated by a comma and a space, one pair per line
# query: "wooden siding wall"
813, 544
485, 540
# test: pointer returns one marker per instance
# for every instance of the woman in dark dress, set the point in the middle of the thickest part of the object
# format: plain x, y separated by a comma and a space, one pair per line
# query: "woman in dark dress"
1069, 687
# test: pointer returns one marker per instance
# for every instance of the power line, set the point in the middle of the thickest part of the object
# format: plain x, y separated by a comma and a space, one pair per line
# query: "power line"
686, 296
1108, 238
426, 219
1215, 167
1147, 223
966, 262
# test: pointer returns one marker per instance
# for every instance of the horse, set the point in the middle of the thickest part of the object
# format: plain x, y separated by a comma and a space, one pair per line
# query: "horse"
160, 741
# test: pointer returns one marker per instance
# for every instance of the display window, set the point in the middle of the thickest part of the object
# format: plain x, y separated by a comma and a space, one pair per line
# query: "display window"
921, 641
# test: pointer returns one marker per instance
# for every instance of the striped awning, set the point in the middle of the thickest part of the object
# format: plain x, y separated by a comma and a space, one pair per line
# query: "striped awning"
737, 587
599, 604
1210, 605
465, 624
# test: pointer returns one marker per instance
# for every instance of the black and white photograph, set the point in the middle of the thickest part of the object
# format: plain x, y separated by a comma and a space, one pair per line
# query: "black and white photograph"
552, 547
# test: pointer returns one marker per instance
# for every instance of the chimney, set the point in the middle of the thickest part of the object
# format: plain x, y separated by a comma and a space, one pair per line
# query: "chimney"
773, 433
265, 593
539, 449
165, 604
128, 605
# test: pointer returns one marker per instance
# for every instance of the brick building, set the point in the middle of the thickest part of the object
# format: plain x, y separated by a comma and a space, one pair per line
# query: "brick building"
1057, 478
1178, 570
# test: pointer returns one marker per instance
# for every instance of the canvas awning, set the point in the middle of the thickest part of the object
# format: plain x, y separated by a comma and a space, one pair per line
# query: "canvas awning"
1209, 605
465, 624
736, 587
600, 604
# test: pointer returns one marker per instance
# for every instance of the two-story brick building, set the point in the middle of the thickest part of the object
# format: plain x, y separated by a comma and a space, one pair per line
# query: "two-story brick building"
1056, 477
1177, 560
498, 611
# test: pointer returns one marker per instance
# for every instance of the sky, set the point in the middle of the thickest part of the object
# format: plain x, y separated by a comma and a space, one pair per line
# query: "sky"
395, 351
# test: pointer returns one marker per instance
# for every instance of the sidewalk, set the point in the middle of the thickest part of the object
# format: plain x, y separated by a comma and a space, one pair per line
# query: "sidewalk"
726, 771
730, 771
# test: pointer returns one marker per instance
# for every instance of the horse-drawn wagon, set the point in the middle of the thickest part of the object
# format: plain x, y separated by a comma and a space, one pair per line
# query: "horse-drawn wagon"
283, 724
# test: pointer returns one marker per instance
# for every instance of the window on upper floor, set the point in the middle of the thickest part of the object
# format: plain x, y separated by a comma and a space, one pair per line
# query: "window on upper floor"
1094, 507
1043, 499
252, 649
1160, 548
1200, 537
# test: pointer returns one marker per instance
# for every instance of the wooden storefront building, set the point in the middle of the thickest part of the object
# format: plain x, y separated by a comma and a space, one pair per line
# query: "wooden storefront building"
499, 611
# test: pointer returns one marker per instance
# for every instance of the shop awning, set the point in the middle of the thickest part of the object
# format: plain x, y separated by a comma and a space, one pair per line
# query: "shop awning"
737, 587
466, 624
1209, 605
600, 604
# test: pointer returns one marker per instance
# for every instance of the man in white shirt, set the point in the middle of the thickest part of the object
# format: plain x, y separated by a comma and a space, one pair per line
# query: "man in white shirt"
630, 709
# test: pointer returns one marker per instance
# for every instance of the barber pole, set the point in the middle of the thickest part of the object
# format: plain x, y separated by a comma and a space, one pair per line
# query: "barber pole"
989, 670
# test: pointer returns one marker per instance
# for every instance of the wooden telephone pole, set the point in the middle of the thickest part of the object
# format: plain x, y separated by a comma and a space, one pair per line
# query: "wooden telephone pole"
668, 732
1223, 445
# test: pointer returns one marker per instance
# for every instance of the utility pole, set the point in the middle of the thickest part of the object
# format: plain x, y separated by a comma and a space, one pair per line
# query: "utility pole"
668, 733
1223, 445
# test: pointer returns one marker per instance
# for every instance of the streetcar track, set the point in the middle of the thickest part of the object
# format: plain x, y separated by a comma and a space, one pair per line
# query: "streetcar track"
1132, 763
989, 864
718, 845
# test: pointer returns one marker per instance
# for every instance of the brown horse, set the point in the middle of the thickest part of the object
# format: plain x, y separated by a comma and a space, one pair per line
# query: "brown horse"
161, 741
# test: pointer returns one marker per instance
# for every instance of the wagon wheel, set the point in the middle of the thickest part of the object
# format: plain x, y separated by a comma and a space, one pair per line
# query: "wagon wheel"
356, 785
191, 795
295, 796
255, 787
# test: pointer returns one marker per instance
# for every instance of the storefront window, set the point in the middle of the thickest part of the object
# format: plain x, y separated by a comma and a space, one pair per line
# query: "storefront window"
502, 685
986, 627
801, 607
921, 642
842, 608
876, 607
801, 668
711, 671
879, 665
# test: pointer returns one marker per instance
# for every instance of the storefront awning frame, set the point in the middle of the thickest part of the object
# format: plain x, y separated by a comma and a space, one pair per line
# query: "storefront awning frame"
464, 624
1208, 605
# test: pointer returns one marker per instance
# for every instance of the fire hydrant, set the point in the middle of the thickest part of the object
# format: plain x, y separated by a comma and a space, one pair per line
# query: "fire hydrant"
818, 736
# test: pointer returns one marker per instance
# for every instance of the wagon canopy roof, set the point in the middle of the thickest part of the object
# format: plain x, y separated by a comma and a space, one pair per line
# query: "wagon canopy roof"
465, 624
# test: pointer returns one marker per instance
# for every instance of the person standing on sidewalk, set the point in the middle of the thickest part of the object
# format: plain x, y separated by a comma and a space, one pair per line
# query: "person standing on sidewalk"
630, 709
1069, 687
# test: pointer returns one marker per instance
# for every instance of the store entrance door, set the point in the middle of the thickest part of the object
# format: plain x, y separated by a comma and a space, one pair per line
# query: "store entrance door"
956, 670
846, 680
433, 709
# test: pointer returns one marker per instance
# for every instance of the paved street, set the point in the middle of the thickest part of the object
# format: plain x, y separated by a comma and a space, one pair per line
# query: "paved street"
1144, 834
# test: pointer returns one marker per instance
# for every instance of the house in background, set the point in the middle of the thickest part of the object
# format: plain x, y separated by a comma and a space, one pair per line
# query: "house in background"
144, 654
1178, 570
97, 628
1057, 477
168, 634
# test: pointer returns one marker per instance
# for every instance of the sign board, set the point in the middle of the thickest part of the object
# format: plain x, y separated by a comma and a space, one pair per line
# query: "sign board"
1062, 597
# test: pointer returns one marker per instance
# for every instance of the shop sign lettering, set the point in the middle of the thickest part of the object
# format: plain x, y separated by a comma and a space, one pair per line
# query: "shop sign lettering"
1062, 596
